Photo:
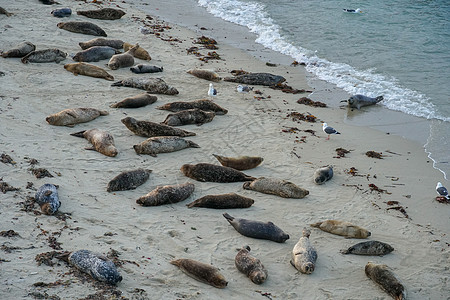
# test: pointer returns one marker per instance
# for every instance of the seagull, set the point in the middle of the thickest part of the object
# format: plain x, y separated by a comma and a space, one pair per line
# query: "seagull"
244, 88
442, 191
329, 130
212, 92
355, 11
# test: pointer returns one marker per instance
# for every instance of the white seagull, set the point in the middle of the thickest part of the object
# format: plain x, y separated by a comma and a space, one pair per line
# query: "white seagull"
442, 191
329, 130
244, 88
212, 92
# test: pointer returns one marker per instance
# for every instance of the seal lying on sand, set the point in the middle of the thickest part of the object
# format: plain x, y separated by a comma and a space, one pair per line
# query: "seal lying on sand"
230, 200
369, 248
239, 163
101, 140
150, 129
203, 104
386, 279
95, 53
257, 79
140, 52
122, 60
213, 173
189, 116
144, 68
282, 188
201, 272
116, 44
358, 101
44, 56
102, 14
343, 228
205, 74
163, 144
128, 180
151, 85
82, 27
250, 266
86, 69
323, 174
72, 116
61, 12
136, 101
304, 255
47, 198
20, 50
167, 194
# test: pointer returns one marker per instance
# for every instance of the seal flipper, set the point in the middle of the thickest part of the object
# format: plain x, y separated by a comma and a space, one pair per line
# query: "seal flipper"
79, 134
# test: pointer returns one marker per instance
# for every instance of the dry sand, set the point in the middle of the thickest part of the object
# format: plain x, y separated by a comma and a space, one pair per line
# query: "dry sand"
148, 238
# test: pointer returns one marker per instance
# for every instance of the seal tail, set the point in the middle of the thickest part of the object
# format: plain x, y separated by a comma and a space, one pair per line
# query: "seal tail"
176, 262
379, 98
192, 144
228, 217
117, 83
317, 225
249, 178
103, 112
79, 134
246, 185
219, 158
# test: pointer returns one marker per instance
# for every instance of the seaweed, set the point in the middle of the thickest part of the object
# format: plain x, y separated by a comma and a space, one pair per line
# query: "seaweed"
307, 101
374, 154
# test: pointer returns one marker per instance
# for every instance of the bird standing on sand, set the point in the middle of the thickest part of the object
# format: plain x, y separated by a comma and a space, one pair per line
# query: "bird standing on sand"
442, 191
244, 88
212, 92
329, 130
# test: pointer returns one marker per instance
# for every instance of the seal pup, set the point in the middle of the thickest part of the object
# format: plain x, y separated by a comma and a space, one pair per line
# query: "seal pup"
205, 74
140, 52
72, 116
122, 60
442, 191
167, 194
116, 44
82, 27
383, 276
343, 228
323, 174
150, 129
61, 12
257, 229
329, 130
151, 85
189, 116
44, 56
101, 140
47, 198
369, 248
304, 255
163, 144
5, 12
358, 101
95, 53
86, 69
128, 180
102, 14
224, 201
266, 79
273, 186
239, 163
250, 266
20, 50
201, 272
144, 68
136, 101
203, 104
213, 173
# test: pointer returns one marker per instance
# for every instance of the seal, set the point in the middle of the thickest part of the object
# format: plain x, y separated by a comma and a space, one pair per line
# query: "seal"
144, 68
140, 52
201, 272
101, 140
102, 14
304, 255
44, 56
257, 229
282, 188
86, 69
150, 129
383, 276
98, 266
250, 266
122, 60
167, 194
323, 174
20, 50
82, 27
136, 101
61, 12
203, 104
72, 116
205, 74
369, 248
343, 228
224, 201
151, 85
239, 163
95, 53
189, 116
213, 173
128, 180
5, 12
116, 44
266, 79
163, 144
358, 101
48, 199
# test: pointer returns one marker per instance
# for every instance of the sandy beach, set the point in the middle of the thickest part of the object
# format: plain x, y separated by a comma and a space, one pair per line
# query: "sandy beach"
392, 197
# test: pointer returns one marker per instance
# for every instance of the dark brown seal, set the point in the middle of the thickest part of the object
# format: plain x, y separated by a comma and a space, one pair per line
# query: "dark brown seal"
86, 69
203, 104
82, 27
151, 85
214, 173
386, 279
190, 116
343, 228
101, 141
151, 129
167, 194
128, 180
136, 101
72, 116
250, 266
201, 272
257, 79
369, 248
279, 187
224, 201
240, 163
116, 44
20, 50
102, 14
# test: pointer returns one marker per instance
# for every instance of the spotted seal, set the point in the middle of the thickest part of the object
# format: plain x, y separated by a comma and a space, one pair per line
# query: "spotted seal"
383, 276
122, 60
213, 173
167, 194
44, 56
151, 85
304, 255
201, 272
151, 129
82, 27
95, 53
205, 74
323, 174
116, 44
90, 70
145, 68
189, 116
239, 163
250, 266
369, 248
343, 228
106, 13
358, 101
273, 186
101, 140
20, 50
72, 116
163, 144
266, 79
48, 199
224, 201
128, 180
257, 229
140, 52
203, 104
136, 101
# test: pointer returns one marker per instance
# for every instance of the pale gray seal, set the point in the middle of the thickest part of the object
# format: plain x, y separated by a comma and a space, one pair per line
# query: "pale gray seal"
273, 186
116, 44
266, 79
151, 129
20, 50
95, 53
239, 163
86, 69
151, 85
323, 174
102, 141
44, 56
136, 101
106, 13
72, 116
369, 248
163, 144
224, 201
304, 255
201, 272
145, 68
358, 101
82, 27
383, 276
47, 198
203, 104
213, 173
189, 116
205, 74
343, 228
167, 194
128, 180
250, 266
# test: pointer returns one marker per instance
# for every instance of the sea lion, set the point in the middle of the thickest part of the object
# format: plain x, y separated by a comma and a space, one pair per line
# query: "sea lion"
189, 116
167, 194
140, 52
101, 140
239, 163
203, 104
151, 85
282, 188
5, 12
98, 266
72, 116
95, 53
358, 101
128, 180
369, 248
213, 173
323, 174
257, 79
144, 68
342, 228
116, 44
150, 129
163, 144
250, 266
86, 69
47, 198
44, 56
122, 60
201, 272
304, 255
82, 27
136, 101
61, 12
205, 74
20, 50
386, 279
224, 201
257, 229
102, 14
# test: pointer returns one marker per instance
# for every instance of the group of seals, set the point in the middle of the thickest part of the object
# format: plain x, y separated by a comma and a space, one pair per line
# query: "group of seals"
167, 194
213, 173
72, 116
203, 104
163, 144
189, 116
151, 129
86, 69
47, 198
128, 180
102, 141
136, 101
201, 272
